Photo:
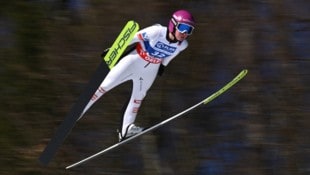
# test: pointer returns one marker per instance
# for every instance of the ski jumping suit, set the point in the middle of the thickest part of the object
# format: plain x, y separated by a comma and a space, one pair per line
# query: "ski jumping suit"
141, 66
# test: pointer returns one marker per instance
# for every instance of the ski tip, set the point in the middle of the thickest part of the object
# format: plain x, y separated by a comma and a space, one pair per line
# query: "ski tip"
245, 71
242, 74
226, 87
133, 23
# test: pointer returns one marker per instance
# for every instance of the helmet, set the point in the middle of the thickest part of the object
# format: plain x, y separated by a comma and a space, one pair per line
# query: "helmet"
180, 16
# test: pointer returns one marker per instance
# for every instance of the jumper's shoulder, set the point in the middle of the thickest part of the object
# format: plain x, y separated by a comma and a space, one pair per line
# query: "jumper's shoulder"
183, 45
158, 27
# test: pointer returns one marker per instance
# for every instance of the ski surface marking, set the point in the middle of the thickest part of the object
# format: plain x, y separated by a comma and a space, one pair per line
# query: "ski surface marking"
121, 43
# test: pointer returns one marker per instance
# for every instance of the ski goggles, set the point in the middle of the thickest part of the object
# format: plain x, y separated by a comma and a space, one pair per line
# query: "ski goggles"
185, 28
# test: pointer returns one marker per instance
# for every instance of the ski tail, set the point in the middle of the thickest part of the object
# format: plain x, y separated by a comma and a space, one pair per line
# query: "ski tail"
68, 123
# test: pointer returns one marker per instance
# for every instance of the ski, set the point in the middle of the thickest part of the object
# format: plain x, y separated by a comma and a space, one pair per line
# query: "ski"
203, 102
110, 58
121, 43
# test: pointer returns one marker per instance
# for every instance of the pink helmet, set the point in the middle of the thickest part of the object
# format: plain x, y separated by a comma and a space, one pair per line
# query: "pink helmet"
180, 16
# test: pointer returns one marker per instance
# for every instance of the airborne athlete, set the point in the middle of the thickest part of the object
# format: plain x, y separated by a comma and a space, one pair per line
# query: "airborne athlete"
156, 46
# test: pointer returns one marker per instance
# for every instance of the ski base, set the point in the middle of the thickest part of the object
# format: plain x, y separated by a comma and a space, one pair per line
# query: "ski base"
203, 102
110, 59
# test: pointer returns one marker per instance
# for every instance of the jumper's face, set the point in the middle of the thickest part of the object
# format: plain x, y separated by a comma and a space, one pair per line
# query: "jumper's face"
180, 36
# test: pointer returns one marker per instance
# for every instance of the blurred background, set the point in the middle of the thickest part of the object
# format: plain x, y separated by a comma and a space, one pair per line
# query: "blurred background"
50, 48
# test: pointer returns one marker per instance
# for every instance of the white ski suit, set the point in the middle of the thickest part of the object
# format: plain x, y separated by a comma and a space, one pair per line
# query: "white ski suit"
141, 66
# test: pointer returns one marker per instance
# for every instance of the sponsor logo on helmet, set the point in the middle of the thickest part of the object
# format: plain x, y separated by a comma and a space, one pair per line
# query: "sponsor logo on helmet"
181, 19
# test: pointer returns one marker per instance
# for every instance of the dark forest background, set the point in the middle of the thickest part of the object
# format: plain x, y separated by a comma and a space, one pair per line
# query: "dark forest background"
50, 48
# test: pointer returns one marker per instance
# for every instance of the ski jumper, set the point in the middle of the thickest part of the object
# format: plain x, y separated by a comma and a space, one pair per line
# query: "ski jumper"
140, 66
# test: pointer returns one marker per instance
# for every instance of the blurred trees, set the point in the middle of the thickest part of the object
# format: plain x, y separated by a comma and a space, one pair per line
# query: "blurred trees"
49, 49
